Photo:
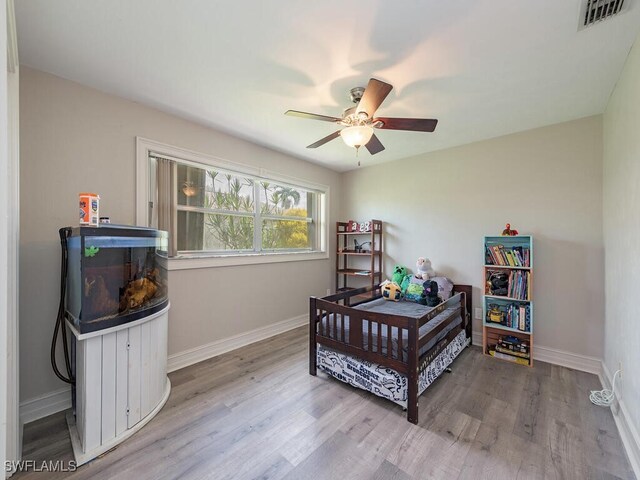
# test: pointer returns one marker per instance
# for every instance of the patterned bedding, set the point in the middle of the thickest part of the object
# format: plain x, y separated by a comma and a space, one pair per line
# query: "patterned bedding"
408, 309
383, 381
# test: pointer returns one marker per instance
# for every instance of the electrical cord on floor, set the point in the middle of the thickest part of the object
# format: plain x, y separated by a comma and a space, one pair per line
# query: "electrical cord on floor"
605, 397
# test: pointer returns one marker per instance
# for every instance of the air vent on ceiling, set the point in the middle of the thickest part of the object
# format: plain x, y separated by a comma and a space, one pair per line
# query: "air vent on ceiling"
594, 11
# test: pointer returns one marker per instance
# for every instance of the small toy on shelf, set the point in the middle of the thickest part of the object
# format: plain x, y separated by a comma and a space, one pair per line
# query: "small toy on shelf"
364, 227
359, 227
509, 232
498, 284
359, 247
423, 269
513, 344
495, 315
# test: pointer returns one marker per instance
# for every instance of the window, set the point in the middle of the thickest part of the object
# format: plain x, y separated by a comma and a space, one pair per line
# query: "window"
221, 211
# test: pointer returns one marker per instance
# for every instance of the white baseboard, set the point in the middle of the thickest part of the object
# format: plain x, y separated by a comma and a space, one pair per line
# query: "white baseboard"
45, 405
59, 400
563, 358
205, 352
628, 431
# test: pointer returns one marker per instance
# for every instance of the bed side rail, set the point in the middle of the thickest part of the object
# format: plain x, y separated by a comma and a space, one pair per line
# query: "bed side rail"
365, 334
455, 306
428, 357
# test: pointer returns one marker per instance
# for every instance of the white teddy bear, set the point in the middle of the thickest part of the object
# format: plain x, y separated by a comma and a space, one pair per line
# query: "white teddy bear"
423, 269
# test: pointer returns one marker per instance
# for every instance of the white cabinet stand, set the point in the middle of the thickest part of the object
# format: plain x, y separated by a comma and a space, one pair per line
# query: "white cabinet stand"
121, 383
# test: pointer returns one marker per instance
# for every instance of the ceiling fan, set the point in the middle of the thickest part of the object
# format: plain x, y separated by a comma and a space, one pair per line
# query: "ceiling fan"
359, 121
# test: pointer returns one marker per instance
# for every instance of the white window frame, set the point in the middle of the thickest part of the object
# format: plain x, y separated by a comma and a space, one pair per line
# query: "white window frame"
145, 147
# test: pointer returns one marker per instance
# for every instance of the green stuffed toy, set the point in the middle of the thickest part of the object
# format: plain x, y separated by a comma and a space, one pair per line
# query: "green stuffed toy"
399, 272
406, 281
414, 292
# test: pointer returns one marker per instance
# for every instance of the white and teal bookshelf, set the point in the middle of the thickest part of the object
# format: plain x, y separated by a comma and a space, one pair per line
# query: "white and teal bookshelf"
507, 303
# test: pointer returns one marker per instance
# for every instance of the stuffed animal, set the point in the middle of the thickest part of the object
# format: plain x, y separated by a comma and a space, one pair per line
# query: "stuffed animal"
391, 291
423, 269
509, 232
406, 281
414, 292
430, 297
399, 272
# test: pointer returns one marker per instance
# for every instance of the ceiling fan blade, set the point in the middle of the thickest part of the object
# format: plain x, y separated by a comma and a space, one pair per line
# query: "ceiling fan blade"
312, 116
374, 146
324, 140
373, 96
412, 124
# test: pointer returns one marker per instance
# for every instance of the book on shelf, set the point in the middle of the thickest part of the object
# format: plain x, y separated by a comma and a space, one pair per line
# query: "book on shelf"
502, 256
509, 358
490, 258
510, 259
506, 351
514, 316
519, 285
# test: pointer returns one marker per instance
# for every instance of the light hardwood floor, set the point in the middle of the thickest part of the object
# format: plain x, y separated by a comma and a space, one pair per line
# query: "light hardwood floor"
257, 413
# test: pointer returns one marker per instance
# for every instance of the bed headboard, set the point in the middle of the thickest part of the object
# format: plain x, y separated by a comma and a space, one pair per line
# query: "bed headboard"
466, 289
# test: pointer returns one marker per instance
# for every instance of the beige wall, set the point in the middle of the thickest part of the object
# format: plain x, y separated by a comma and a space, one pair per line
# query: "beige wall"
622, 236
546, 182
77, 139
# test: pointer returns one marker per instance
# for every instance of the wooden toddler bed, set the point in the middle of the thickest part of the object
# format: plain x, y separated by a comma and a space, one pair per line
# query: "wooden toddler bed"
394, 350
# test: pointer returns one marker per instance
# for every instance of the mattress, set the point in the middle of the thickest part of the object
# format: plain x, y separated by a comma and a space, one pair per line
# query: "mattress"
407, 309
383, 381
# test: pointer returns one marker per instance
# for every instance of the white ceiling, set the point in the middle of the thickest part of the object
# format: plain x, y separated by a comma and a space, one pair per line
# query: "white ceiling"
484, 68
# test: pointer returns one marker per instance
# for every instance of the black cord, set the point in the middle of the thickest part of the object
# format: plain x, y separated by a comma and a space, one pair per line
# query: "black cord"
60, 321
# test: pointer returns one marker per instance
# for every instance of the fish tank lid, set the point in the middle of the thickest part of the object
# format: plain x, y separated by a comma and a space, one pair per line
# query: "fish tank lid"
112, 229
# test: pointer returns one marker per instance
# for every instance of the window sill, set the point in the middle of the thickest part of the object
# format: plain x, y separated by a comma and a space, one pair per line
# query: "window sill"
212, 261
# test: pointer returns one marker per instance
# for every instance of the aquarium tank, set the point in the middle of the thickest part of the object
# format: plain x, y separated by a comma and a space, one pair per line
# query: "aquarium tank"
115, 274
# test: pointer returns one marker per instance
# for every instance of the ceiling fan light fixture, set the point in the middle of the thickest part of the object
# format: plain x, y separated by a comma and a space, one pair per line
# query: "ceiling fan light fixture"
360, 120
356, 136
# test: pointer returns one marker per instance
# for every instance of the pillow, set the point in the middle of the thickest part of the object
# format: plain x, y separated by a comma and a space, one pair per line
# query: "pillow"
445, 287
